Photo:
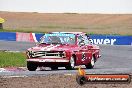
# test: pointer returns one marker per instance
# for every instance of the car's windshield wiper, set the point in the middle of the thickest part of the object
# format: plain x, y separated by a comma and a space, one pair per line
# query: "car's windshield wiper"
44, 43
57, 43
53, 43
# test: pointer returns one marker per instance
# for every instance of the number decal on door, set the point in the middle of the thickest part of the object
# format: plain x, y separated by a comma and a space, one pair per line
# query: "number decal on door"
83, 56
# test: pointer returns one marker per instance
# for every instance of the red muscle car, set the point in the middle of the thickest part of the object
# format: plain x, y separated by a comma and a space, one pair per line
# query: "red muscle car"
63, 49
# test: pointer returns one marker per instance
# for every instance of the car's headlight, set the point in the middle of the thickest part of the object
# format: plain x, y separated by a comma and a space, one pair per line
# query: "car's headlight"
30, 54
63, 54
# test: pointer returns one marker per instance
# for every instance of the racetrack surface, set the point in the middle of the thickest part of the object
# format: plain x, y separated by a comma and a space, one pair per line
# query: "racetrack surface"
115, 59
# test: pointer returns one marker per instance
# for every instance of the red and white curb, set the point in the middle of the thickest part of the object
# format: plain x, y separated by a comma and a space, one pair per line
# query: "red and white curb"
17, 69
3, 70
9, 69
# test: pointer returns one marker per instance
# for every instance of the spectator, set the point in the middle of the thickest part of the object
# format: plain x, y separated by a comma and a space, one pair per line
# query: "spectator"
1, 22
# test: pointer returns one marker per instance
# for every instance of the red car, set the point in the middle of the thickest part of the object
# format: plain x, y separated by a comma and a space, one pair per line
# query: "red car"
63, 49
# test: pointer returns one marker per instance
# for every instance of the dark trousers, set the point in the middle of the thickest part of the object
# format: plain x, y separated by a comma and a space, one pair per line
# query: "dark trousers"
1, 26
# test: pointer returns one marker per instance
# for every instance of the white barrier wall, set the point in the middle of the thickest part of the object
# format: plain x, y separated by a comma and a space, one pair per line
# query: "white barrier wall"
67, 6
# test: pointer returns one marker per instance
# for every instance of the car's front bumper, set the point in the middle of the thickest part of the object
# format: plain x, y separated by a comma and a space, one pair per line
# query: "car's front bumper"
47, 60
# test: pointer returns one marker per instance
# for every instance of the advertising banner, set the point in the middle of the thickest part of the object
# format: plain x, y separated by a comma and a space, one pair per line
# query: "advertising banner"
8, 36
95, 39
111, 39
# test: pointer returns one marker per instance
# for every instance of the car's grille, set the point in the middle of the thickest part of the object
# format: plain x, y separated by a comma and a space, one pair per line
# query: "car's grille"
46, 54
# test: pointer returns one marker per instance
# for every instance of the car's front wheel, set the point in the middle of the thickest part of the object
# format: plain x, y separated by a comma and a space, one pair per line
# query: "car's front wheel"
91, 64
71, 64
31, 66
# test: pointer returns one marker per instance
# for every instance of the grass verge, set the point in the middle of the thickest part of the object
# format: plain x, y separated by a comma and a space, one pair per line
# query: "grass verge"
15, 30
12, 59
95, 30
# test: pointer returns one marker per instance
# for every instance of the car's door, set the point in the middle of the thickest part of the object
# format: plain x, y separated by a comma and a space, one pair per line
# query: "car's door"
88, 51
79, 52
83, 50
88, 43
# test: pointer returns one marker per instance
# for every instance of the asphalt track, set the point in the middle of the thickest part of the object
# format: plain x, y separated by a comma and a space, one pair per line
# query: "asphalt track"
115, 59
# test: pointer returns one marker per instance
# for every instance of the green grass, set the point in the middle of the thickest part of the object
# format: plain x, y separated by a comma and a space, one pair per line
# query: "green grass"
30, 30
12, 59
16, 30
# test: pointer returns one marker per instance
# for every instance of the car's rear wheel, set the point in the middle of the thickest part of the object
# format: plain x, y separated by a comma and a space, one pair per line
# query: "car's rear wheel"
54, 67
31, 66
91, 64
71, 64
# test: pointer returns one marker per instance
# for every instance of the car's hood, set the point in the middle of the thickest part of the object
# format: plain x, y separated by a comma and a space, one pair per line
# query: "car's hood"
53, 47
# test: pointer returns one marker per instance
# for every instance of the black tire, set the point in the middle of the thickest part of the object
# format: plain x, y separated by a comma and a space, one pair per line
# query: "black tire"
91, 64
31, 66
71, 64
54, 68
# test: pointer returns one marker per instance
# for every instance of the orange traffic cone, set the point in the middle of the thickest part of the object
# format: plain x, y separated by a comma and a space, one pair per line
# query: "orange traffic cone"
81, 71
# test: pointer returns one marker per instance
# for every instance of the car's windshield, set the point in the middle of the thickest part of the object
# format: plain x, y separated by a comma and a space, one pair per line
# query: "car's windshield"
58, 38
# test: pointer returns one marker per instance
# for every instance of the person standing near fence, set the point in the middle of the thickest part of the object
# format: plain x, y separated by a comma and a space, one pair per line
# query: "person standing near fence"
1, 22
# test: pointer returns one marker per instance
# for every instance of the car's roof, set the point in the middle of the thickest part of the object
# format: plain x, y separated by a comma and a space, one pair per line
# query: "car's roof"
70, 32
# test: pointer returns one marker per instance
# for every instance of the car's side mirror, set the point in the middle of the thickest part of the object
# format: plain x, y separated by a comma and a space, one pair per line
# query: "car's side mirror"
90, 41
